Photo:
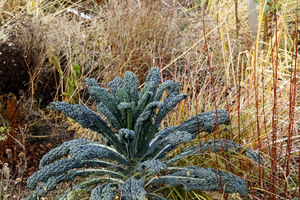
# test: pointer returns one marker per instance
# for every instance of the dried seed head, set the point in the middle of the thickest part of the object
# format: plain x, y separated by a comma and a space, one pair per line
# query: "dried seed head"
18, 180
8, 151
6, 170
21, 155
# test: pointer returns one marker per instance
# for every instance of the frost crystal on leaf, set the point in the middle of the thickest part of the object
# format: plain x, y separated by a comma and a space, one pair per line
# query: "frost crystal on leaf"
114, 86
131, 85
152, 167
62, 151
197, 178
103, 192
133, 189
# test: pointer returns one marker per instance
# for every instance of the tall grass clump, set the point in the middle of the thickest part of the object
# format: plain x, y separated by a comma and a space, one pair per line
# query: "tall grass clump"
137, 35
44, 60
267, 112
261, 84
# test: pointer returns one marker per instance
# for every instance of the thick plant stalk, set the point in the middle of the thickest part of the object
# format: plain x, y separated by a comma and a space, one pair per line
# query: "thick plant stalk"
252, 17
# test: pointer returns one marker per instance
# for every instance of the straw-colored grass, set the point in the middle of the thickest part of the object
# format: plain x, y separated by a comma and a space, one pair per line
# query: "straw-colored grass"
217, 56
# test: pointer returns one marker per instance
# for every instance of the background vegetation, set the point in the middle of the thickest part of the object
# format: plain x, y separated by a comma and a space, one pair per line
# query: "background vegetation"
225, 54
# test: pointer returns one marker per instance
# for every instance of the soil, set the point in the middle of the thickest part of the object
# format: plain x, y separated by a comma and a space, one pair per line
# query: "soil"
15, 69
28, 134
13, 73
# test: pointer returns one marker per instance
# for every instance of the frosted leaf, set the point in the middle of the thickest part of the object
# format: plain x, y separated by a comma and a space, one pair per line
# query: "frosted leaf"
161, 134
102, 95
58, 168
127, 114
205, 179
168, 143
103, 192
114, 86
126, 134
91, 82
52, 182
72, 111
131, 85
153, 75
145, 97
87, 119
151, 167
152, 81
133, 189
84, 152
167, 107
206, 122
123, 95
163, 111
174, 91
109, 116
163, 87
146, 116
216, 146
61, 151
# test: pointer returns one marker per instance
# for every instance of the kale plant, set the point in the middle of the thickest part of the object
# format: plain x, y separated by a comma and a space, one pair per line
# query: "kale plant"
135, 153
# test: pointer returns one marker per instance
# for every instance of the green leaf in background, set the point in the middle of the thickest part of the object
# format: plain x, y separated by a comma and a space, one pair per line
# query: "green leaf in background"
270, 7
76, 69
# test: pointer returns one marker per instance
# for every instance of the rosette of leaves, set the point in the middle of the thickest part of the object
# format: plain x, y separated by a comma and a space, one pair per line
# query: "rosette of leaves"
136, 149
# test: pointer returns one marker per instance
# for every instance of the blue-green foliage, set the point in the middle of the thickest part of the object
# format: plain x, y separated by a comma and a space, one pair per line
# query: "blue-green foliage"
136, 148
